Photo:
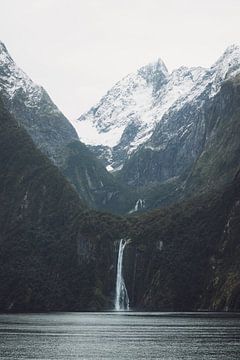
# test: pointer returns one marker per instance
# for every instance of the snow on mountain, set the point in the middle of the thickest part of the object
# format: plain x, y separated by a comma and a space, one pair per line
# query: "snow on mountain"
226, 66
129, 100
179, 83
127, 115
13, 79
139, 100
34, 109
55, 136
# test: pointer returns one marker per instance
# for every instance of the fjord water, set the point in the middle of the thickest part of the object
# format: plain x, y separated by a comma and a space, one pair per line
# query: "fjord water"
129, 335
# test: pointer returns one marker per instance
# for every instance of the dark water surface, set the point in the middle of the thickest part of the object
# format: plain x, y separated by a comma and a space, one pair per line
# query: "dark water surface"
131, 336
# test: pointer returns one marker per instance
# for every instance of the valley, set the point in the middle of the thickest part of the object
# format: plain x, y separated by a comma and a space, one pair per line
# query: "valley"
171, 143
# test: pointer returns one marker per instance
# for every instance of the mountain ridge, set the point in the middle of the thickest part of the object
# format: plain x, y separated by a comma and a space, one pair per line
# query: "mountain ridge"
55, 136
128, 114
58, 255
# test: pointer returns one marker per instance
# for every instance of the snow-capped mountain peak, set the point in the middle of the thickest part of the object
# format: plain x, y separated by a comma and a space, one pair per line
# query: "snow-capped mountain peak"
130, 110
230, 55
127, 115
154, 73
227, 65
153, 68
34, 109
13, 79
4, 54
126, 102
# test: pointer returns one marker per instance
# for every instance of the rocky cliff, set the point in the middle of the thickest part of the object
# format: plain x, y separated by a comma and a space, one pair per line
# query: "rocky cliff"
58, 255
217, 160
174, 139
50, 242
53, 134
155, 110
186, 257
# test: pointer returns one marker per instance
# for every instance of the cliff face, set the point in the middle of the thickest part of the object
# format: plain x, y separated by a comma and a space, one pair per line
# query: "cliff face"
173, 135
216, 136
190, 141
37, 208
50, 243
31, 106
152, 126
53, 134
186, 257
57, 255
223, 288
219, 160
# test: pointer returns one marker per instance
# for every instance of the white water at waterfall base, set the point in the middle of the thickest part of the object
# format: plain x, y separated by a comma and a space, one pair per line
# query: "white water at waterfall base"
121, 298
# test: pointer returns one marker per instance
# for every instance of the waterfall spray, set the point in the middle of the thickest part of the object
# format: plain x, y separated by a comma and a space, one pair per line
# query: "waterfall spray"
121, 299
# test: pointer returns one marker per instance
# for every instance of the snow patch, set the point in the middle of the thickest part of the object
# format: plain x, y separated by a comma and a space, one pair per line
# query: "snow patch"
134, 99
14, 80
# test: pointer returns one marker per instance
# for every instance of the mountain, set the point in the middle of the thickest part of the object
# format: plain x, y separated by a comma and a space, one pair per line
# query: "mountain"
168, 145
185, 131
205, 157
186, 257
181, 172
34, 109
58, 256
126, 116
37, 209
55, 253
55, 137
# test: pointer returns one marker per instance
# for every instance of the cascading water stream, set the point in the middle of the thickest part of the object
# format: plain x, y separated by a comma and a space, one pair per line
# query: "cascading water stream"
121, 299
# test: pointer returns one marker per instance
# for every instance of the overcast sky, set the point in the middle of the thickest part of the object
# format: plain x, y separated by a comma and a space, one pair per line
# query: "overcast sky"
78, 49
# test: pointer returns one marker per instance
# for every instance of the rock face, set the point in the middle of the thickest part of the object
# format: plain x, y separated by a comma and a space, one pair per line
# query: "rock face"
218, 159
34, 109
186, 257
186, 131
163, 138
37, 209
55, 255
58, 255
127, 115
55, 137
223, 290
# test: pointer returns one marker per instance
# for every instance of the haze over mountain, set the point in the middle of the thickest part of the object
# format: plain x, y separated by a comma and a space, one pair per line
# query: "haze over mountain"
58, 256
179, 153
128, 114
49, 241
153, 128
54, 135
78, 62
120, 179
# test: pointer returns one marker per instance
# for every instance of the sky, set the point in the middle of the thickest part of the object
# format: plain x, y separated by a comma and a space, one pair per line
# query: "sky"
78, 49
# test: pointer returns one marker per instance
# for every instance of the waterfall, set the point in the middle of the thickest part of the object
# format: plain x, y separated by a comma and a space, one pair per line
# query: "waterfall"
121, 299
140, 205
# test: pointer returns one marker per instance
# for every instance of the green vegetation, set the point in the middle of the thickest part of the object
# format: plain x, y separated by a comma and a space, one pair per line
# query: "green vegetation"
94, 184
216, 165
57, 254
50, 243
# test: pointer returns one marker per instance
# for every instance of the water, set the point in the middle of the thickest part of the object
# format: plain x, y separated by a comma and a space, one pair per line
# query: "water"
129, 335
140, 204
121, 300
